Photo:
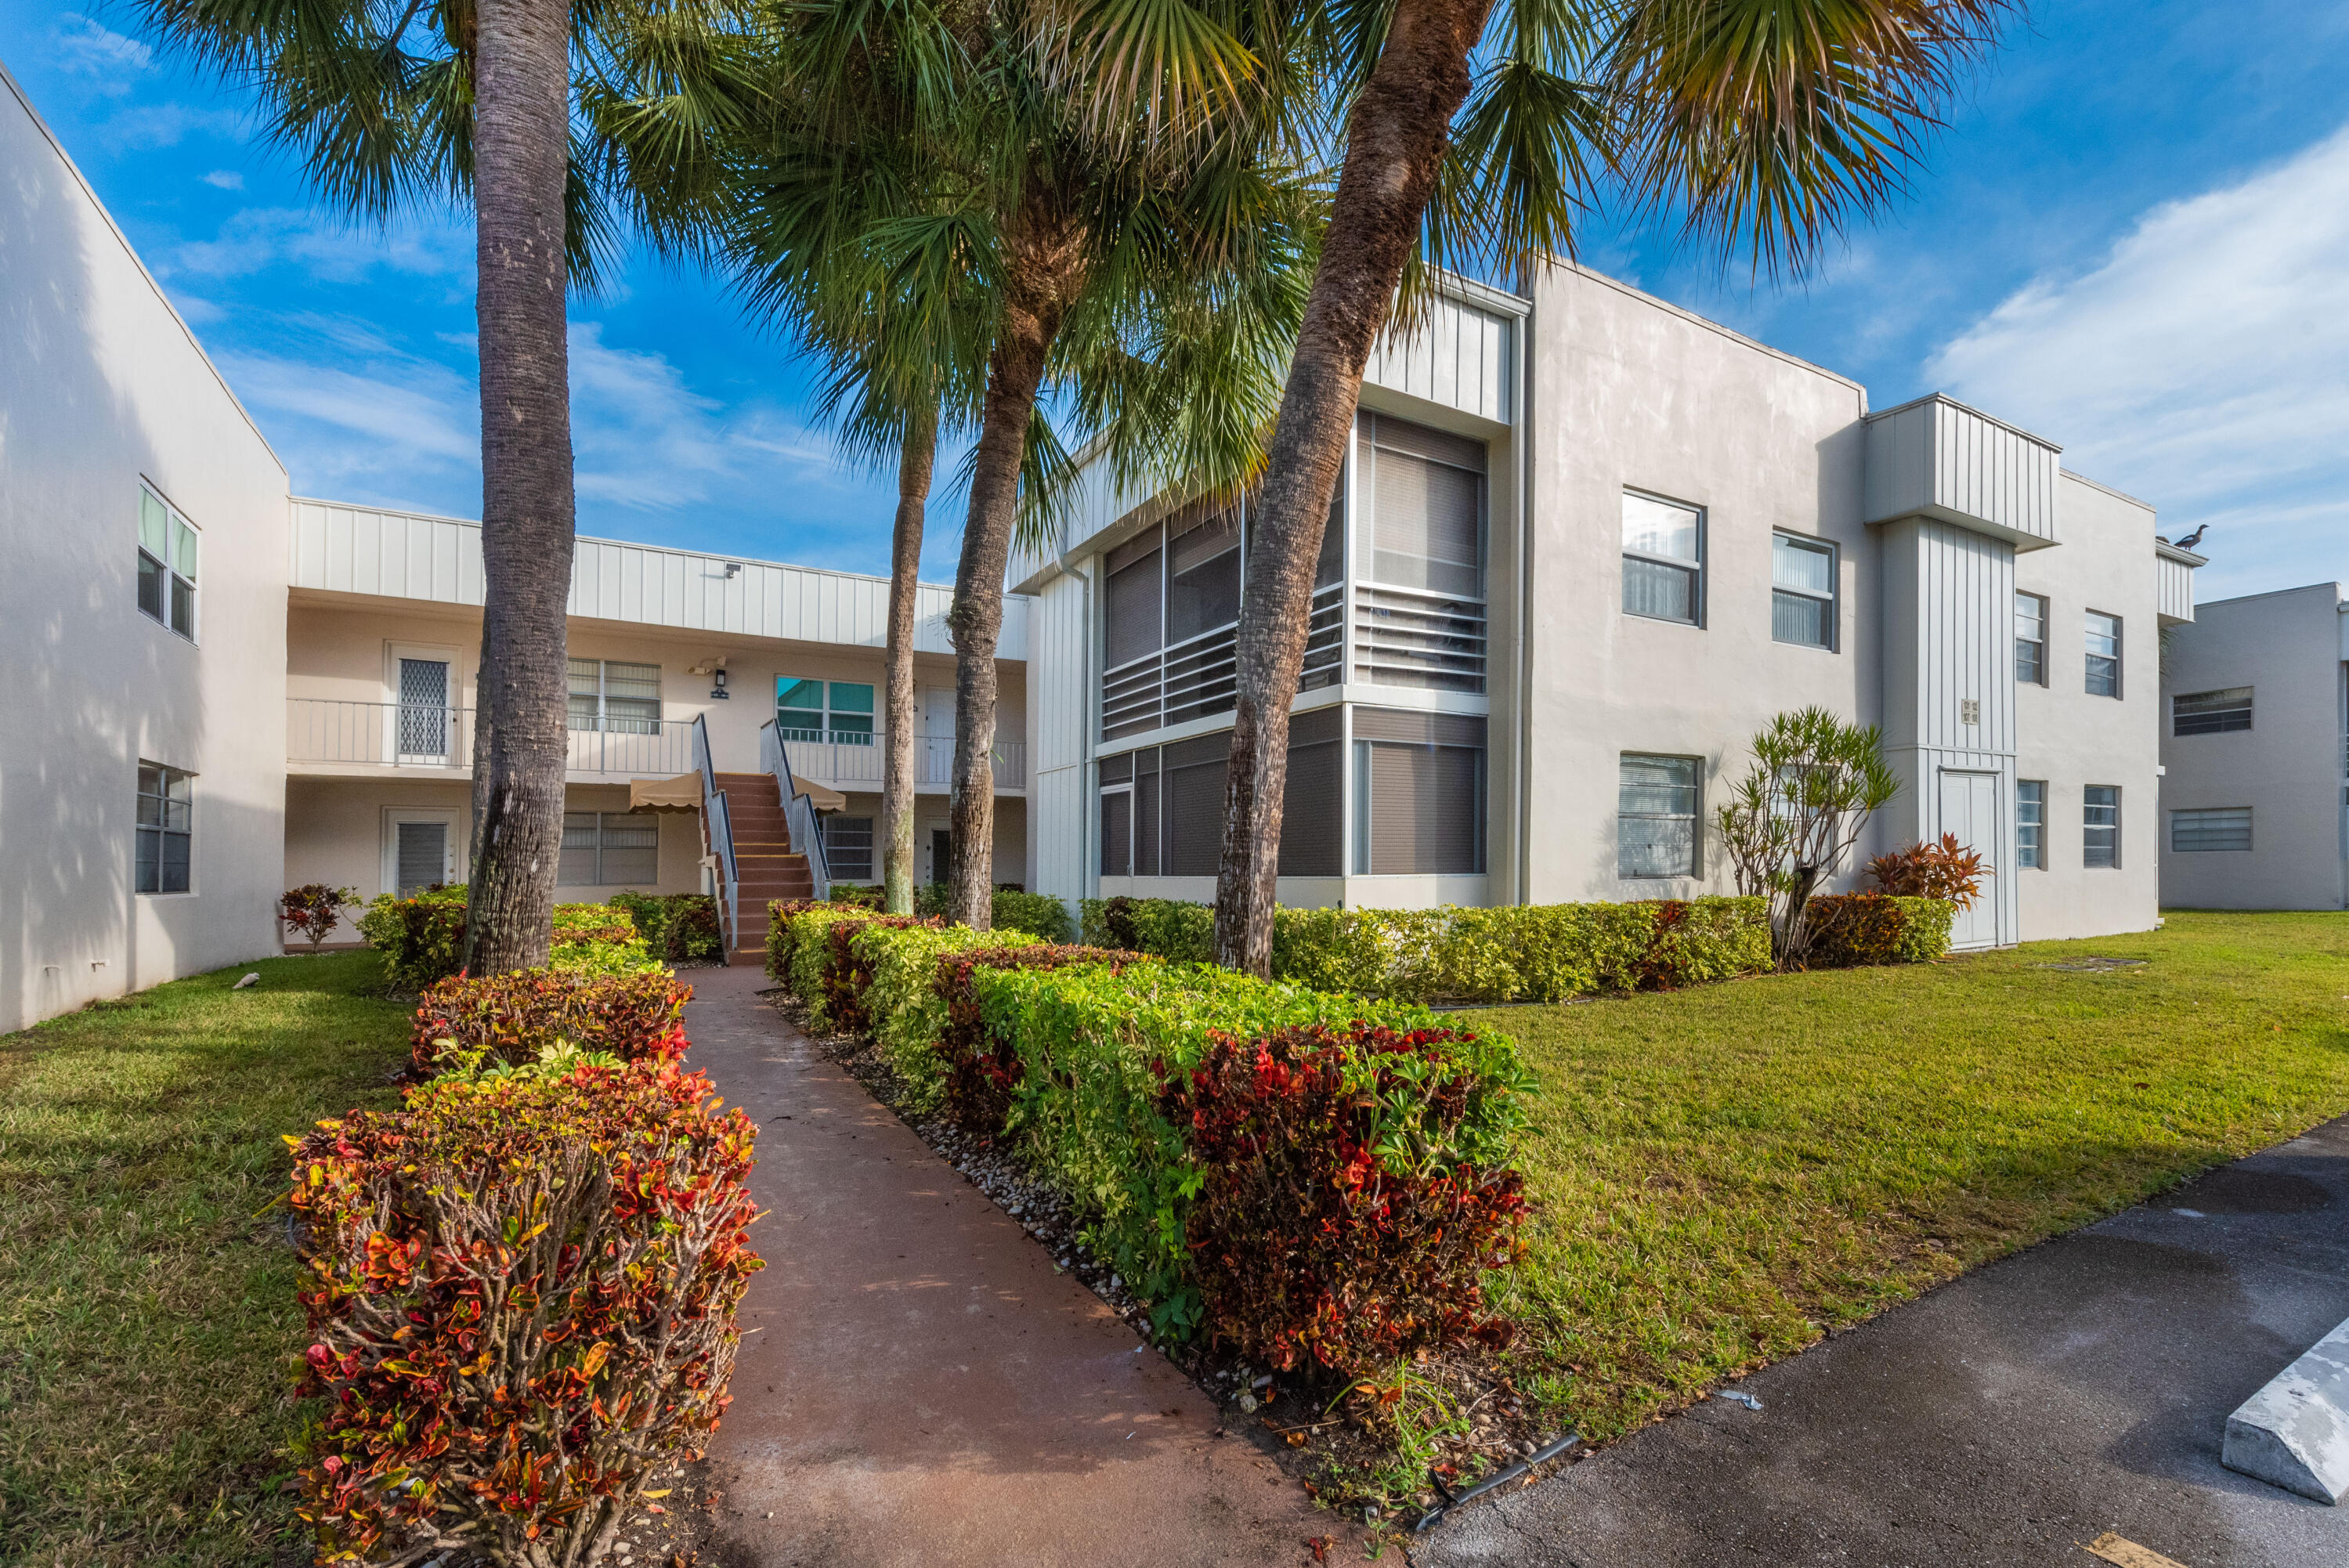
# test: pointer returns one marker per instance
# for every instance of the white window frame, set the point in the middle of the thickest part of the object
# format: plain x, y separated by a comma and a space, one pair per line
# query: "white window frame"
2036, 846
2114, 828
1832, 598
2119, 654
602, 724
651, 819
453, 858
1697, 567
162, 828
828, 734
165, 555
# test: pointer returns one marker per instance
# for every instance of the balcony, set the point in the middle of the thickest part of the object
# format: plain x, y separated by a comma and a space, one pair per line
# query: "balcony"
853, 761
359, 739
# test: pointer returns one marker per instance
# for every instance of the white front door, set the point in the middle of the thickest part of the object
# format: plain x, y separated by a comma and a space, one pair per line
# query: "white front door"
1970, 811
419, 849
934, 752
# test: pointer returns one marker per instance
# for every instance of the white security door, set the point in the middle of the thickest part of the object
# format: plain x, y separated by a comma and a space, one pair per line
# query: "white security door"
1970, 811
934, 752
419, 849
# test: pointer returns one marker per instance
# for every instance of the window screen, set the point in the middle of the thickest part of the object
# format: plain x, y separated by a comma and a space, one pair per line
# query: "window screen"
1312, 814
1419, 793
1117, 831
2100, 825
2210, 828
1203, 575
2211, 712
1425, 489
1656, 817
166, 831
1664, 546
2031, 823
1135, 600
848, 848
1193, 801
610, 849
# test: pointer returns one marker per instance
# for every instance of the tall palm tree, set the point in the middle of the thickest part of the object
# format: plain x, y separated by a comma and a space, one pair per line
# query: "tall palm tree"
1106, 260
1475, 131
559, 122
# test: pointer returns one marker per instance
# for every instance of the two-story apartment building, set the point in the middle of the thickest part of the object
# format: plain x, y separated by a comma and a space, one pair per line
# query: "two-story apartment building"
2256, 745
1586, 545
218, 690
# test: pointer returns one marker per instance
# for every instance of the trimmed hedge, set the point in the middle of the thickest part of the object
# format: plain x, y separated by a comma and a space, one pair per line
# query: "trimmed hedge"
1856, 928
1536, 953
422, 938
509, 1019
982, 1071
522, 1292
906, 1000
676, 926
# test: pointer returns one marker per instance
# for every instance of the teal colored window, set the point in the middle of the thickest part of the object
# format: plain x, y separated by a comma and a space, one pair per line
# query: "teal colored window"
837, 711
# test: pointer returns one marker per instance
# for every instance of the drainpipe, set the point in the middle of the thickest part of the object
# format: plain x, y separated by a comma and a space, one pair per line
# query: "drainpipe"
1521, 781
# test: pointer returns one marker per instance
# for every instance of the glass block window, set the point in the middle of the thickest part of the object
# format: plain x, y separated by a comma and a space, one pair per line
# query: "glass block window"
2210, 712
621, 699
1656, 817
2213, 827
166, 836
1802, 592
848, 849
2103, 637
167, 565
2031, 823
610, 849
2100, 826
838, 711
1663, 559
2031, 639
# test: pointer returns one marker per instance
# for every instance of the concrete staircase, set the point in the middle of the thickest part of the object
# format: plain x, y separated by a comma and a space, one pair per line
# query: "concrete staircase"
762, 853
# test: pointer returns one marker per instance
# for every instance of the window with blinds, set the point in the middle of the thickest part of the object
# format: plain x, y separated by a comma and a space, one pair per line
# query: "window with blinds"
848, 849
1656, 816
2210, 828
2031, 639
616, 697
2031, 823
2210, 712
1425, 490
2103, 649
1663, 559
1162, 808
1419, 793
1802, 592
167, 565
610, 849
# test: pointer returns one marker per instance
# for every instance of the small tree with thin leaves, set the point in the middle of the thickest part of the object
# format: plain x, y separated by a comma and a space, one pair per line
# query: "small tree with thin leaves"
1790, 822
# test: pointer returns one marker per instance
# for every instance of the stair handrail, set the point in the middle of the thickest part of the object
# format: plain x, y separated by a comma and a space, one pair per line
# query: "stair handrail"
799, 810
718, 839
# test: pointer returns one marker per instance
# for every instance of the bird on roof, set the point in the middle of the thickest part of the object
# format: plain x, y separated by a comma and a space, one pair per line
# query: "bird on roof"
2193, 538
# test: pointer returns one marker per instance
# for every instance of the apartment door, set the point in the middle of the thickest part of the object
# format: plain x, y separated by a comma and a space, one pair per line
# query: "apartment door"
424, 706
419, 849
934, 751
941, 854
1970, 811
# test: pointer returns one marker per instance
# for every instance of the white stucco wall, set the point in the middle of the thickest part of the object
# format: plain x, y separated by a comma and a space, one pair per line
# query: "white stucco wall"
101, 385
2288, 648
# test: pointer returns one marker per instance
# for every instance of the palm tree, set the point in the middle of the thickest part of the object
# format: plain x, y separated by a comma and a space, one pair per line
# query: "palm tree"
1104, 261
1477, 132
557, 122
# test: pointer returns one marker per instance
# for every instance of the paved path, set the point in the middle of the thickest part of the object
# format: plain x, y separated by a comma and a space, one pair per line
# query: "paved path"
916, 1386
2078, 1388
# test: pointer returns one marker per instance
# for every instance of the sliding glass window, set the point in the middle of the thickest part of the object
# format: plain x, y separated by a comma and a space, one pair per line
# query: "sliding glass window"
1663, 559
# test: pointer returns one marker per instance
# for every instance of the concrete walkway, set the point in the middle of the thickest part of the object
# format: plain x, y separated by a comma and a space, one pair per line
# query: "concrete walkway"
2079, 1387
916, 1386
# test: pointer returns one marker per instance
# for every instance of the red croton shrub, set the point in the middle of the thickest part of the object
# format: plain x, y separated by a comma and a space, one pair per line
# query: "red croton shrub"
983, 1073
512, 1018
521, 1293
1306, 1246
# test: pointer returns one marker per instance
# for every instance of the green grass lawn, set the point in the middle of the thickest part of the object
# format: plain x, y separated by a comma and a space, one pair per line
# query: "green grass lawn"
1723, 1173
147, 1313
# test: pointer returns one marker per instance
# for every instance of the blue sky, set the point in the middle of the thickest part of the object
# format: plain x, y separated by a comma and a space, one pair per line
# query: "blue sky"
2133, 238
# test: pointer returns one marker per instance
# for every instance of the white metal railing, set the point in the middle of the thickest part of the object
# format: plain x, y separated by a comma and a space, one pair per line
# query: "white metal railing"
1200, 675
855, 765
1405, 636
434, 735
718, 839
799, 811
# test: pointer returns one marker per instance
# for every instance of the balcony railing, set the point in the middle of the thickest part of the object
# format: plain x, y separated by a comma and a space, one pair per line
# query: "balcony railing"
848, 761
428, 736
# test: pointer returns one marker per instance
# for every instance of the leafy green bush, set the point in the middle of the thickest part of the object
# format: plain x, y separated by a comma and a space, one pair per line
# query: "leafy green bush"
1097, 1047
422, 938
1539, 953
677, 926
1858, 928
1336, 1223
847, 972
982, 1071
513, 1018
522, 1292
905, 1002
1040, 914
804, 950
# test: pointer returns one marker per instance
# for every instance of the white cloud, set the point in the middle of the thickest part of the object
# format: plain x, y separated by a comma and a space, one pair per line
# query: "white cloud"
349, 406
87, 49
2204, 365
150, 127
225, 180
262, 237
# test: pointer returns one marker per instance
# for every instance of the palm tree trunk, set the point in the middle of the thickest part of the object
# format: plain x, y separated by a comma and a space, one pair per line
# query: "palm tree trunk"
1394, 147
522, 96
1043, 271
915, 461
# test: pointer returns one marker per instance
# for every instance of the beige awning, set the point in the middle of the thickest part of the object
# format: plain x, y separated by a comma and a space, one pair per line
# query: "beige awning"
823, 797
682, 793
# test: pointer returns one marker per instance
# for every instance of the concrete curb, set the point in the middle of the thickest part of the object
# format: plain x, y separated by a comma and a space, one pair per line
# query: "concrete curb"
2294, 1432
